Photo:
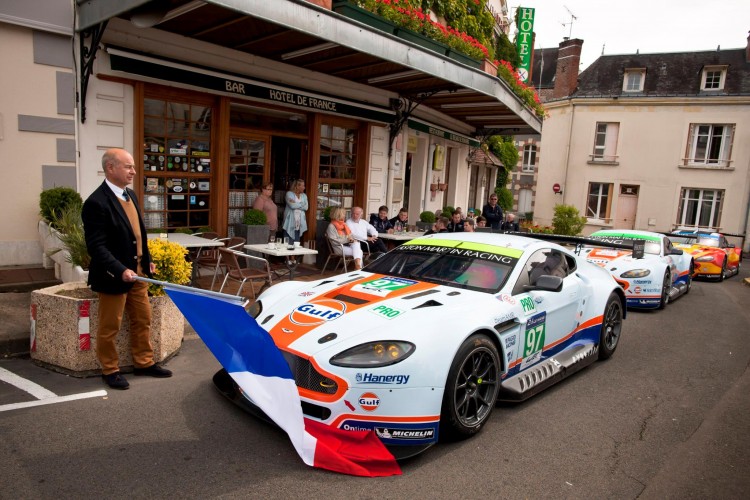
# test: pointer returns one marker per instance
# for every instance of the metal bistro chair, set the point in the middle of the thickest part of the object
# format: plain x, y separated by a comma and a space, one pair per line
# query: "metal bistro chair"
242, 275
233, 243
343, 259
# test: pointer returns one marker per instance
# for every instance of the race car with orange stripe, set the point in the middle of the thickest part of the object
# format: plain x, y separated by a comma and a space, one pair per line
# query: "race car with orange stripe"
422, 342
714, 256
662, 274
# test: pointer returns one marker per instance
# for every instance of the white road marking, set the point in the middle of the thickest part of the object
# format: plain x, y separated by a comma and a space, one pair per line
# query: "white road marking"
44, 397
35, 390
56, 399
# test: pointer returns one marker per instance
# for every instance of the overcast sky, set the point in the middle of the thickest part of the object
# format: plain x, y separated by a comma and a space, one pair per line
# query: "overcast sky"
648, 26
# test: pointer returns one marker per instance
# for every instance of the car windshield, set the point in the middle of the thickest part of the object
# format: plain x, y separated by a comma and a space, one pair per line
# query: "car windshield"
683, 240
651, 247
466, 269
708, 241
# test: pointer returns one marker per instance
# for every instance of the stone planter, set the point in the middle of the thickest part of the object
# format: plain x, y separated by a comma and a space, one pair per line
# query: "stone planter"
253, 235
63, 330
351, 11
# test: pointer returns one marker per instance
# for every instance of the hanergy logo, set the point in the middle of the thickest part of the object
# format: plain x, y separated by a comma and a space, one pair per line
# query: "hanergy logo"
317, 312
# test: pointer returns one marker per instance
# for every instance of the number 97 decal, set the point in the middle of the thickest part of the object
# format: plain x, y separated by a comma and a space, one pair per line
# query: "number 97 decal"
534, 340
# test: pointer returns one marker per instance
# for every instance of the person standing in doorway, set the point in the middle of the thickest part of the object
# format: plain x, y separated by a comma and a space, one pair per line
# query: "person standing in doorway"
116, 240
295, 223
265, 204
493, 213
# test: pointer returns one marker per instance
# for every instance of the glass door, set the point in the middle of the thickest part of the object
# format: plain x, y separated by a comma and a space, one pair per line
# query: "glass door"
248, 168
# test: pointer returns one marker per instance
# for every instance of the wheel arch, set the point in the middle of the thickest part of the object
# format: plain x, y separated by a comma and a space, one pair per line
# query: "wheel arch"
623, 300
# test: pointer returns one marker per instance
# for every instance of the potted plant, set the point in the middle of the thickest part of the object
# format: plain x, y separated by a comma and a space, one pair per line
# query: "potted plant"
253, 227
75, 260
443, 186
63, 318
53, 201
426, 220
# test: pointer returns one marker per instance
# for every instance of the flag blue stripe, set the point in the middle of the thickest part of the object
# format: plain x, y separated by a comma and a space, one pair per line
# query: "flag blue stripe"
234, 338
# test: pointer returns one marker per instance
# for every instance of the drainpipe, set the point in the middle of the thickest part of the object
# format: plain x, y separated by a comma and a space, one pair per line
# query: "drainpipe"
567, 155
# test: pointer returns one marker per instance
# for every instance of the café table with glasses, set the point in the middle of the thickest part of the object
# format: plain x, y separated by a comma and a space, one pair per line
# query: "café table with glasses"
194, 245
280, 249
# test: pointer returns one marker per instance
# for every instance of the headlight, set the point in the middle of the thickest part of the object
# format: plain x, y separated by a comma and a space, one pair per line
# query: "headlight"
635, 273
374, 354
705, 258
254, 309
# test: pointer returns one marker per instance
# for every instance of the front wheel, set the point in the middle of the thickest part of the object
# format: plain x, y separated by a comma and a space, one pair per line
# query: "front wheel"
471, 389
611, 327
690, 278
666, 286
723, 274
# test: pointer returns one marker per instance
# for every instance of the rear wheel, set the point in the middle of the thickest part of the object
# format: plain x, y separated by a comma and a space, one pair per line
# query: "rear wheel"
723, 274
471, 389
690, 278
611, 327
666, 286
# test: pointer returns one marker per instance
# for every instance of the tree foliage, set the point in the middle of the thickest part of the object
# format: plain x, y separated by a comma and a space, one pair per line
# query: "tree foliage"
567, 220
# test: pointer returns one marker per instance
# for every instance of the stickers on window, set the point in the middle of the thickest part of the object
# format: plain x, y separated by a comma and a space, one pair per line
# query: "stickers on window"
534, 339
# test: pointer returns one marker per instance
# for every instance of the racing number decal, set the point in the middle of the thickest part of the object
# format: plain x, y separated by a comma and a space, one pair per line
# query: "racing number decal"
534, 343
382, 286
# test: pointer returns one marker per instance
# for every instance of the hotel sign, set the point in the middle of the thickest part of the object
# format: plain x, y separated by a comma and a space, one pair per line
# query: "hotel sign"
525, 41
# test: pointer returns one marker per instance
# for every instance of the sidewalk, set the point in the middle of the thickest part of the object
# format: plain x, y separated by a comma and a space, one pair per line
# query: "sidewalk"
16, 284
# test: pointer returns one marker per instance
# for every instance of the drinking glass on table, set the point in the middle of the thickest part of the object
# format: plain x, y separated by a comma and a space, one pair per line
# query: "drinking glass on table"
272, 242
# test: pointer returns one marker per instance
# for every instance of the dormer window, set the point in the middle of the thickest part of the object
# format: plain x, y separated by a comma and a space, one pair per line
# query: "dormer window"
633, 81
713, 78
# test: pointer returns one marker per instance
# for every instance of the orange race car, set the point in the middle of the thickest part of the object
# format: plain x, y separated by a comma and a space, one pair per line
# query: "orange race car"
712, 253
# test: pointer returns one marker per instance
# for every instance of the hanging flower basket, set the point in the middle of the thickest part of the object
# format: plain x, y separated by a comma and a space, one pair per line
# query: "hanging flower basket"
443, 186
433, 187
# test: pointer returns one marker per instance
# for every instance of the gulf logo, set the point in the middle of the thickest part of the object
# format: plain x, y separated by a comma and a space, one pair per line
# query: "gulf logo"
369, 401
317, 312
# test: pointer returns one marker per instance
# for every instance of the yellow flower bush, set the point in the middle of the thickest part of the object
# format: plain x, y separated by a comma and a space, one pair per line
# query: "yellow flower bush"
171, 265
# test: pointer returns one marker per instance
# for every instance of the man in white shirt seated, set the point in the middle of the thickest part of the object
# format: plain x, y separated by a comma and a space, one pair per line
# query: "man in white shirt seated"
363, 232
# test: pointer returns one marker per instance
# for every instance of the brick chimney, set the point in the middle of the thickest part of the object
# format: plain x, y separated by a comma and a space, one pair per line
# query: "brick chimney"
568, 62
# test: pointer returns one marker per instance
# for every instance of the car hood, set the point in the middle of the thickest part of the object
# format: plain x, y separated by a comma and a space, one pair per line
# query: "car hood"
346, 311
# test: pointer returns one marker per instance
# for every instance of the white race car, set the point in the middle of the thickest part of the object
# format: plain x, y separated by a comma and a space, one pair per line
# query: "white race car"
422, 342
664, 273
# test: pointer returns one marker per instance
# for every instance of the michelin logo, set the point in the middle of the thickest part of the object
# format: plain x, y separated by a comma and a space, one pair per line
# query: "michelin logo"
371, 378
386, 433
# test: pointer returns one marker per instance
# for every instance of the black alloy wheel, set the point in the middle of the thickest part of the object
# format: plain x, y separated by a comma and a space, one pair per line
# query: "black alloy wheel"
665, 288
471, 389
690, 278
611, 327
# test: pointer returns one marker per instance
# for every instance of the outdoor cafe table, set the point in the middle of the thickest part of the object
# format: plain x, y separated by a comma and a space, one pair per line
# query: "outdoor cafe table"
194, 244
280, 250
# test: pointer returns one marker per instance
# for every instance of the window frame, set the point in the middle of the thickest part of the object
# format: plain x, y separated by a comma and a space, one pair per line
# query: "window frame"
722, 70
716, 207
630, 72
606, 197
725, 147
529, 150
605, 151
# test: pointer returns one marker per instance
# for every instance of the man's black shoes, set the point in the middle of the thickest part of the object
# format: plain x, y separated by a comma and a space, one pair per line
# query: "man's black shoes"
116, 381
153, 371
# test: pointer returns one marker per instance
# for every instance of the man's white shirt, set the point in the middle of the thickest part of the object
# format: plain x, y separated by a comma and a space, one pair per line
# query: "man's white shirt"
362, 229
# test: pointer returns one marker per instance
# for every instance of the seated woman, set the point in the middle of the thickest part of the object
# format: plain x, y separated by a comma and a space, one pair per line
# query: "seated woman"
341, 237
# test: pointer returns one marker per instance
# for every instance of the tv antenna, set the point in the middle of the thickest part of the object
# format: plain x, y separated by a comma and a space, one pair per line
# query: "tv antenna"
573, 17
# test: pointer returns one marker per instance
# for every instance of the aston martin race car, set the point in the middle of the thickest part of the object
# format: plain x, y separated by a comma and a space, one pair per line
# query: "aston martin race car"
662, 274
422, 342
712, 253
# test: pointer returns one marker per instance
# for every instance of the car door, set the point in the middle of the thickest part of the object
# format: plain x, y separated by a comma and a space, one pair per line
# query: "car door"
549, 318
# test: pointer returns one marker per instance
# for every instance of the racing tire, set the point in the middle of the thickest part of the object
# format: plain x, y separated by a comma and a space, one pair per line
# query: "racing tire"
691, 270
471, 388
666, 286
611, 327
723, 274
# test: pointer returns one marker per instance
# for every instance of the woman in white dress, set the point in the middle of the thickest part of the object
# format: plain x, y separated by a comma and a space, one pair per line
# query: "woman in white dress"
295, 223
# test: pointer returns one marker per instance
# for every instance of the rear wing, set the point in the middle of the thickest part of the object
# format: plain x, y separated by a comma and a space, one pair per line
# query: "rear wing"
636, 246
700, 233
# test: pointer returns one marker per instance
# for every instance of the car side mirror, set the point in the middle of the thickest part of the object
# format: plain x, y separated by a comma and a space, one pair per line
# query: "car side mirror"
546, 283
676, 251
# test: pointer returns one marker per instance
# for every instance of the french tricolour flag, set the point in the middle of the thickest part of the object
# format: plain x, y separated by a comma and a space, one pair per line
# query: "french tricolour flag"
247, 352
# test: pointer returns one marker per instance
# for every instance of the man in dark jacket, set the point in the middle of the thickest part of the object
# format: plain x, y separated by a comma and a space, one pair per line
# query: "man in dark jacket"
380, 221
117, 242
510, 224
493, 213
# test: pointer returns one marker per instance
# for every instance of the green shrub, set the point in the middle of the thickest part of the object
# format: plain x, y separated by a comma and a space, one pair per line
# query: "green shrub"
567, 220
183, 230
205, 229
70, 225
427, 216
254, 217
447, 211
53, 201
504, 198
327, 213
